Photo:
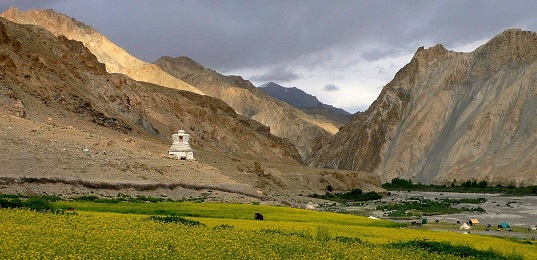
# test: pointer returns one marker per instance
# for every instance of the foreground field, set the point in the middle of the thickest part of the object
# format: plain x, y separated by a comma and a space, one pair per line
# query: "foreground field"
228, 231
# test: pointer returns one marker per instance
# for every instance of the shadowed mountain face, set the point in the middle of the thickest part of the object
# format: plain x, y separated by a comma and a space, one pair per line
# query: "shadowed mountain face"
304, 131
307, 103
292, 96
44, 76
116, 59
450, 116
68, 127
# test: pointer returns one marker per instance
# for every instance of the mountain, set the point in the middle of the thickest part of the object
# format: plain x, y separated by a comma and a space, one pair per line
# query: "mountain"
62, 76
116, 59
293, 96
307, 103
70, 128
304, 131
449, 116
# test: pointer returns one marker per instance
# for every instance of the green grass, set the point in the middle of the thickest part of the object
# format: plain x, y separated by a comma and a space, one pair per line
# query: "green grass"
446, 248
223, 210
418, 207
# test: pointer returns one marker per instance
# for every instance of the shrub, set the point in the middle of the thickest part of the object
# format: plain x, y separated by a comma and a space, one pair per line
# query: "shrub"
38, 204
322, 234
87, 198
353, 195
348, 240
176, 219
223, 227
11, 203
33, 203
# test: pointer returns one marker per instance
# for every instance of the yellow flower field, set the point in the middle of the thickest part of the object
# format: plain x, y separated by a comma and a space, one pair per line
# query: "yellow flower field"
96, 235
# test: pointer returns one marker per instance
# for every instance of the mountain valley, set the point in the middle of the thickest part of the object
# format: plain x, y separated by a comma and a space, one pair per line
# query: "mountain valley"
78, 113
69, 127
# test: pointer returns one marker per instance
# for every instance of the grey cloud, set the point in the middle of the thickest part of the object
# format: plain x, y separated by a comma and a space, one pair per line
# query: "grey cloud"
232, 35
458, 22
278, 74
380, 70
355, 108
330, 88
377, 53
229, 36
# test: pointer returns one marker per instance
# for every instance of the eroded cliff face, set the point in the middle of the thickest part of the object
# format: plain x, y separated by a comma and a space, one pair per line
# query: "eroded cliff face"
116, 59
450, 116
285, 121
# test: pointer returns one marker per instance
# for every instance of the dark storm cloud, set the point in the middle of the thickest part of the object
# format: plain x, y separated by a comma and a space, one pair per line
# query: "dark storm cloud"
278, 74
238, 34
330, 88
228, 35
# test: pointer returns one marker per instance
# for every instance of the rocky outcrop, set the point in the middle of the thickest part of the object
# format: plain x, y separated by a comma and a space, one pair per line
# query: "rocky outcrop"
450, 116
303, 130
116, 59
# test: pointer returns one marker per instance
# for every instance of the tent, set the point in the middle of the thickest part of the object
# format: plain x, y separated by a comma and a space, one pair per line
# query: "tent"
504, 225
465, 226
473, 222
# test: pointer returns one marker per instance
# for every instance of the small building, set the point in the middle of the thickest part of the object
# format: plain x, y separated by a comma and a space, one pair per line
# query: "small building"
473, 222
180, 147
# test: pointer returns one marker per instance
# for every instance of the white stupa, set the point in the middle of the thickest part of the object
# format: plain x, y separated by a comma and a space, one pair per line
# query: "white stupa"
180, 146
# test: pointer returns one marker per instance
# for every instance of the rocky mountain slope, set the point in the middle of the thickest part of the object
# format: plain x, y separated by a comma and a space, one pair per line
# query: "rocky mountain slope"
292, 96
68, 127
304, 131
307, 103
45, 76
116, 59
450, 116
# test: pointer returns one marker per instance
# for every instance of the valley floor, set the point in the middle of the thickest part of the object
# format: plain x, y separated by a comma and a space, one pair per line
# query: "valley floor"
519, 211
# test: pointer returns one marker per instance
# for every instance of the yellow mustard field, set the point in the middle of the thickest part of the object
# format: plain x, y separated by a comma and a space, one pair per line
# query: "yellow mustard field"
99, 235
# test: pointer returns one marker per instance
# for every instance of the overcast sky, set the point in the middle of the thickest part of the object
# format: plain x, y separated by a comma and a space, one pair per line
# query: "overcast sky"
343, 52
